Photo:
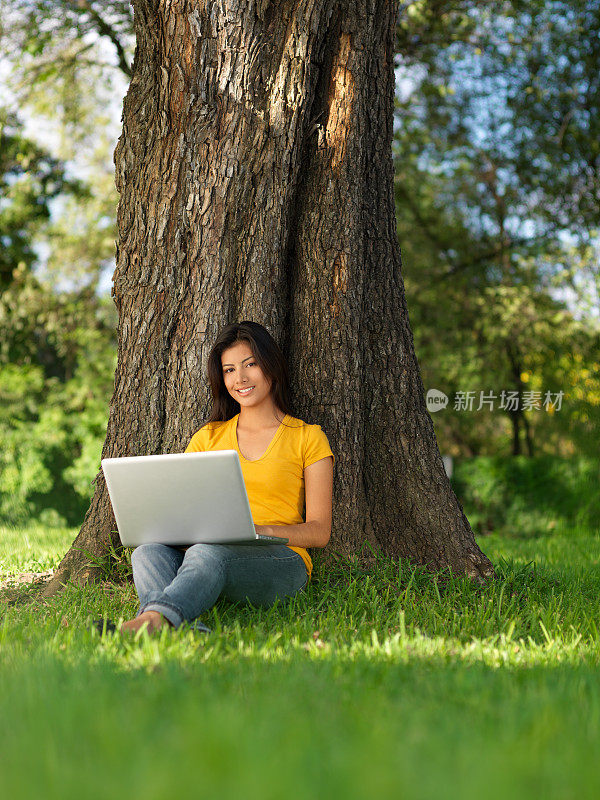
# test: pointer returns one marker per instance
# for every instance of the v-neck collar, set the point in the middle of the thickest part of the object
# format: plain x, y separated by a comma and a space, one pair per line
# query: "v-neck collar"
236, 446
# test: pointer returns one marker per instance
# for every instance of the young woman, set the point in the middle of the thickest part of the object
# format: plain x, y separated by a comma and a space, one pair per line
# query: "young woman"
287, 465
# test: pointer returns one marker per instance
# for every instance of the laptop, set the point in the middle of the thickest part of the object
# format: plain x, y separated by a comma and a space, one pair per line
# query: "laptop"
182, 499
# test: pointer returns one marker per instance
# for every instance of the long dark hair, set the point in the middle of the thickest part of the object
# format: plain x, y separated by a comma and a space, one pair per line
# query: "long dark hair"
270, 359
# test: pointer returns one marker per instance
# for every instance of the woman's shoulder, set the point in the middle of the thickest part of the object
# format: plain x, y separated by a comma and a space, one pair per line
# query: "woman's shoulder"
215, 425
300, 424
308, 430
294, 422
208, 437
309, 440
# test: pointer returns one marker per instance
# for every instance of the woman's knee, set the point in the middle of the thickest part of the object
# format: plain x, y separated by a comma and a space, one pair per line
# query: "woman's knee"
206, 550
150, 550
212, 554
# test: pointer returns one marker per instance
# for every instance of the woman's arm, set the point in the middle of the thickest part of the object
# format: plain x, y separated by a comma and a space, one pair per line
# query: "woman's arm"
318, 488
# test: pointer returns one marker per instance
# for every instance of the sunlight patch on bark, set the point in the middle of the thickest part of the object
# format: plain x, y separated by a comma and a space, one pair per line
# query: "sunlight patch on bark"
341, 102
288, 83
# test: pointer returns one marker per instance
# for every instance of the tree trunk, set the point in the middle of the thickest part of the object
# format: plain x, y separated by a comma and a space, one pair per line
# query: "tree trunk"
255, 179
516, 441
518, 416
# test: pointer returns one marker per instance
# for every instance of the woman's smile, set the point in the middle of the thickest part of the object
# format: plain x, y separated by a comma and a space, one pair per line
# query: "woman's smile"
243, 377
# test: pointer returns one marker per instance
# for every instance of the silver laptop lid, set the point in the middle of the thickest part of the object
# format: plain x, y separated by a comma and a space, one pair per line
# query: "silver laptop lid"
180, 498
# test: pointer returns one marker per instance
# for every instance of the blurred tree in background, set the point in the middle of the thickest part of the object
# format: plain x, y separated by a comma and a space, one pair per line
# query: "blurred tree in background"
496, 156
57, 363
57, 334
29, 178
496, 173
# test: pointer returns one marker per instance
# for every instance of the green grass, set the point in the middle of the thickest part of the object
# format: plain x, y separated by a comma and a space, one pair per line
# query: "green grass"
381, 684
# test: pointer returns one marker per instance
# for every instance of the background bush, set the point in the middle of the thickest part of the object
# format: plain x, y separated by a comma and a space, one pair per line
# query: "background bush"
533, 496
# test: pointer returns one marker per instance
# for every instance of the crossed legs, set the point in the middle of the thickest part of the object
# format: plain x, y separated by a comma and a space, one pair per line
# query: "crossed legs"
174, 586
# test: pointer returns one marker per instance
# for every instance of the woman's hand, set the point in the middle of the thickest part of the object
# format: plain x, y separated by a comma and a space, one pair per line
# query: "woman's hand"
264, 530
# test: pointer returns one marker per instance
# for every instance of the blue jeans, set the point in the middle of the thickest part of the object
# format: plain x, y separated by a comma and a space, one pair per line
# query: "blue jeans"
181, 585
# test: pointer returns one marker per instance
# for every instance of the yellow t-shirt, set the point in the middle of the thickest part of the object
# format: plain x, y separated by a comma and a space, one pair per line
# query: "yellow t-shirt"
275, 481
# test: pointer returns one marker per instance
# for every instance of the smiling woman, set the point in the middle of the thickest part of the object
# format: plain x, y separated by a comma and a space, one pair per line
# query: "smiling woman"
287, 467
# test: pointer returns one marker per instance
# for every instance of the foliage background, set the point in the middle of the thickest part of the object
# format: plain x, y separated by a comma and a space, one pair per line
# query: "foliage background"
496, 154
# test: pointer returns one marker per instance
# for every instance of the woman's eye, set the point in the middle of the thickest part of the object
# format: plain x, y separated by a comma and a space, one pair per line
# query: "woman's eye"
250, 364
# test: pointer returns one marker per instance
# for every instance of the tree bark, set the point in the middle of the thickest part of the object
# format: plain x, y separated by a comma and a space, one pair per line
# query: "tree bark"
256, 182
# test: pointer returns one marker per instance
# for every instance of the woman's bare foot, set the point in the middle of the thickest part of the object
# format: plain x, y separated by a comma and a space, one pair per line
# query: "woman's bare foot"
153, 619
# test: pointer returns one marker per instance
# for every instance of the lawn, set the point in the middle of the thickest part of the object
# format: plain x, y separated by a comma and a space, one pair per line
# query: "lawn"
369, 684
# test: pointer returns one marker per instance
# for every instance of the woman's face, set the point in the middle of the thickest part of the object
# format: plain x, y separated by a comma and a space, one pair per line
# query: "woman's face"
241, 370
